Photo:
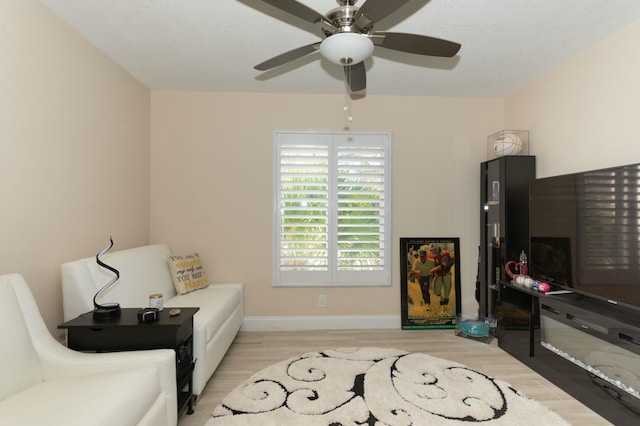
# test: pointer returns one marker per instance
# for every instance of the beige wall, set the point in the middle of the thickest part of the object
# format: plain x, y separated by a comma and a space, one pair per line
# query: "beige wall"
584, 114
214, 150
212, 173
75, 165
74, 151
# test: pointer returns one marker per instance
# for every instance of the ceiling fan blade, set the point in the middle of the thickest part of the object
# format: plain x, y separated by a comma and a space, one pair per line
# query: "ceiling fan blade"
287, 57
297, 9
418, 44
375, 10
356, 76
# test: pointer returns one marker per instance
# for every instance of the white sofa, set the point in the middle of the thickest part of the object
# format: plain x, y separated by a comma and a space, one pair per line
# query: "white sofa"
144, 271
44, 383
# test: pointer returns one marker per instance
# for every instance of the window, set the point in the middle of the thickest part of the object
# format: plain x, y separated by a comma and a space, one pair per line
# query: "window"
333, 209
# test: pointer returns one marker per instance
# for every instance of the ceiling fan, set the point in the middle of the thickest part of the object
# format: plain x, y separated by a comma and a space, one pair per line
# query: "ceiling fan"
349, 37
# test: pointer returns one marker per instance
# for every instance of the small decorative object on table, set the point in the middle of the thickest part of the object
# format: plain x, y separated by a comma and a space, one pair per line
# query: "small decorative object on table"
156, 301
508, 142
148, 315
518, 274
106, 311
520, 267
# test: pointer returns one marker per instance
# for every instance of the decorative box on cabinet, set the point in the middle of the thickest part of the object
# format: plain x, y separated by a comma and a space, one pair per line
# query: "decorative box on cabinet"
504, 221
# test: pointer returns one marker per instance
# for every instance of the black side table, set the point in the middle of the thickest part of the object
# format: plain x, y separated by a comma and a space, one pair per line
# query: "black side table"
127, 334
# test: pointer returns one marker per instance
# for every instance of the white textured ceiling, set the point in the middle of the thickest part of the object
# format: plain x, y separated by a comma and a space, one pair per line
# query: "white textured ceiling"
212, 45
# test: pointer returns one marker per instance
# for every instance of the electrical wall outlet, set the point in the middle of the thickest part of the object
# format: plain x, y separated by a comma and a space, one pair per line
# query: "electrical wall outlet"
322, 301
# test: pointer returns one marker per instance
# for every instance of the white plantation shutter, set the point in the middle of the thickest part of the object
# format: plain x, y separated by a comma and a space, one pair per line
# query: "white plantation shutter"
332, 198
303, 204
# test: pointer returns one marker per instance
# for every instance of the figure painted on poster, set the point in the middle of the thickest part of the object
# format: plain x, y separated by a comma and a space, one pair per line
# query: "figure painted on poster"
442, 261
412, 256
421, 273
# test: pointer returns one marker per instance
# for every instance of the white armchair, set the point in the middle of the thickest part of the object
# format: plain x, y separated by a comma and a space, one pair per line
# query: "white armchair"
43, 382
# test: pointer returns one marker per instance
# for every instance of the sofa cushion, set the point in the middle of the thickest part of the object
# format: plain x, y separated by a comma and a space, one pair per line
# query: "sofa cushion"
49, 403
187, 273
216, 305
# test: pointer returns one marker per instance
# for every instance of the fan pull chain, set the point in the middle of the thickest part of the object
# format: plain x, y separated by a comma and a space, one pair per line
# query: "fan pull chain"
347, 98
347, 107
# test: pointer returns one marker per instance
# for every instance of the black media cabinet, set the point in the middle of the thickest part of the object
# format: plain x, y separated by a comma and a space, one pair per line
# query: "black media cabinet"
556, 334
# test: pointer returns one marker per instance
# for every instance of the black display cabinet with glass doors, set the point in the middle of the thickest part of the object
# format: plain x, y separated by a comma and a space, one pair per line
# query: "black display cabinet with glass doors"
504, 222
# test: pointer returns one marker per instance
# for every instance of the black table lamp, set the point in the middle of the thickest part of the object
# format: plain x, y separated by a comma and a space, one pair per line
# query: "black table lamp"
106, 311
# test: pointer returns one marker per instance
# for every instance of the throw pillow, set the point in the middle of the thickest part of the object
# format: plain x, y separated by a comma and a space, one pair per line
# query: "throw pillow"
187, 273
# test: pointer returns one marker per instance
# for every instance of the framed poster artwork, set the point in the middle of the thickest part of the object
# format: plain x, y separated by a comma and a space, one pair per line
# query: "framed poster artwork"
429, 282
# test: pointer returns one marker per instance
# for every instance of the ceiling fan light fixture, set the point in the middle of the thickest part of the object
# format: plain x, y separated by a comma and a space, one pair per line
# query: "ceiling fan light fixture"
346, 48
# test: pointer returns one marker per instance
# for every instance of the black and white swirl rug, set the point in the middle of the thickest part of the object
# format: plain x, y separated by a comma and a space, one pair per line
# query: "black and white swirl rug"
379, 387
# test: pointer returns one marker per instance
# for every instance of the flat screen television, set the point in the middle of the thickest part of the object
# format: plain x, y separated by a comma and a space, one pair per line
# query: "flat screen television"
585, 232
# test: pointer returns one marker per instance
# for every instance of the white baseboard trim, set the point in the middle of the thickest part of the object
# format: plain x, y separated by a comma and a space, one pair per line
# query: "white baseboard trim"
329, 322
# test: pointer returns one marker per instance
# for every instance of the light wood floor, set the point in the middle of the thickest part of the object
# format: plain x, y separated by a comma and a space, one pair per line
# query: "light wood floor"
253, 351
